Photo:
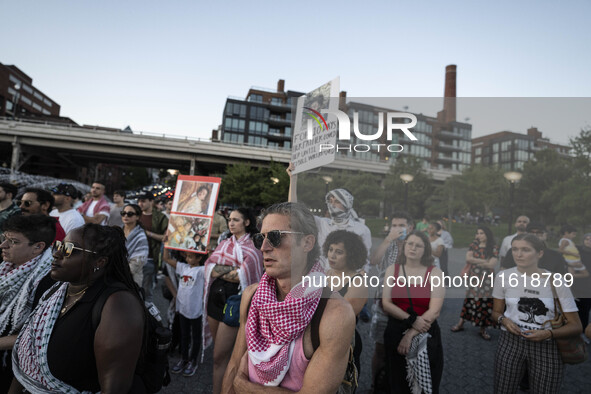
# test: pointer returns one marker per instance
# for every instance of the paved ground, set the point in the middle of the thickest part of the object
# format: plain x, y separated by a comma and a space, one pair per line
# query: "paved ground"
468, 365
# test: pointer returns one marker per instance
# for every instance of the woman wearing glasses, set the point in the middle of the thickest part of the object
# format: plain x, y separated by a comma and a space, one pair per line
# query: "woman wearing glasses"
414, 355
136, 241
60, 348
234, 265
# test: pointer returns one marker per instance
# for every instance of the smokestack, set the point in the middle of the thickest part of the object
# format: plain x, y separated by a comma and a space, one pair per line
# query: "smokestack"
281, 86
342, 100
449, 95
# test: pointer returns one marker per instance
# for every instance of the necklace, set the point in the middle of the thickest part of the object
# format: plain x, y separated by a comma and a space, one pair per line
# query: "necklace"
70, 305
75, 294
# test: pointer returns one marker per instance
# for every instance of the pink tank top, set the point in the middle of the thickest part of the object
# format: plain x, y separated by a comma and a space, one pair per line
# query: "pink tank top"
295, 375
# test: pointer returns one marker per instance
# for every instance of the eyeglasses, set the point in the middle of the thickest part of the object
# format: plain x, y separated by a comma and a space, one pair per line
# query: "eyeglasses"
274, 237
12, 242
26, 203
125, 213
412, 245
67, 248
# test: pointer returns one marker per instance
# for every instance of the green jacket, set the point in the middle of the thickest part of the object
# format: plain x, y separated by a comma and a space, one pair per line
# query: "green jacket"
159, 225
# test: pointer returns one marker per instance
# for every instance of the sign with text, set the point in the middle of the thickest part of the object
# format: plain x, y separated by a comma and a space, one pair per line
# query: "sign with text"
312, 128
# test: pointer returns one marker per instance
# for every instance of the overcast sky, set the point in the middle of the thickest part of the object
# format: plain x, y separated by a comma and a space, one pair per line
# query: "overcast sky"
168, 67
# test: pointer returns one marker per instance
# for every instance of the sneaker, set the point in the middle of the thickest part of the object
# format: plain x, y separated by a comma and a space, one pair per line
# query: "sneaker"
190, 368
179, 367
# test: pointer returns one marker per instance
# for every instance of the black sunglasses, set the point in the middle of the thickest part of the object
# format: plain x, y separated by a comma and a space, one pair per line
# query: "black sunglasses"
26, 203
67, 248
274, 237
130, 214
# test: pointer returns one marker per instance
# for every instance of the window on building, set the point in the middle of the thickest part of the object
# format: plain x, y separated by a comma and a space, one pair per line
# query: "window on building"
47, 102
26, 100
276, 101
478, 151
234, 124
233, 138
288, 131
235, 109
495, 147
259, 113
29, 89
256, 140
256, 98
38, 96
257, 128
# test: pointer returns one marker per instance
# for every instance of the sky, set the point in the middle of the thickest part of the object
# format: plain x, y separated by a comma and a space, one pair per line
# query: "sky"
168, 68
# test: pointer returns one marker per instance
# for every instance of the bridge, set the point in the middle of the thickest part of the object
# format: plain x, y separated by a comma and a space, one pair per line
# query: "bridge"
62, 150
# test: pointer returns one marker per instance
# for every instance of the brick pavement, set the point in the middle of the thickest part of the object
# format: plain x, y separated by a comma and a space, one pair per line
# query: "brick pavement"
468, 359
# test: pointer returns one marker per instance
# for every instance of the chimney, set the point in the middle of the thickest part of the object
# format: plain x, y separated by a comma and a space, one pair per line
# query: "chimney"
342, 100
534, 132
449, 96
280, 86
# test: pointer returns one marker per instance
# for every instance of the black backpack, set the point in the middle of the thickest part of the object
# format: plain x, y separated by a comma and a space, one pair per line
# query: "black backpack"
152, 368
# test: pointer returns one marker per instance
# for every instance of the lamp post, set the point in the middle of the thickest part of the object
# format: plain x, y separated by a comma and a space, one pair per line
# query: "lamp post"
513, 177
16, 97
274, 180
406, 178
327, 180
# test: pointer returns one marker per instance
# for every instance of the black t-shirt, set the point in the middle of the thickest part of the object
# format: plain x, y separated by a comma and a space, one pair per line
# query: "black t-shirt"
551, 260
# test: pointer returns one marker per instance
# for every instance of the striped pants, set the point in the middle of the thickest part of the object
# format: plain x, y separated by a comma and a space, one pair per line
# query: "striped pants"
542, 360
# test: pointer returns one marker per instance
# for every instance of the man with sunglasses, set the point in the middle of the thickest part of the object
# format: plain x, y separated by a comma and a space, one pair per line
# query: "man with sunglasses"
8, 208
24, 277
39, 202
276, 346
69, 218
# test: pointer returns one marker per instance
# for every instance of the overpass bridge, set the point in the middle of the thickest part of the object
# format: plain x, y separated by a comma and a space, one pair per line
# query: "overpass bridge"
62, 150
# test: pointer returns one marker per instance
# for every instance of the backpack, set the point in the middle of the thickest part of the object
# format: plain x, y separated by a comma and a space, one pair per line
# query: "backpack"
349, 383
152, 368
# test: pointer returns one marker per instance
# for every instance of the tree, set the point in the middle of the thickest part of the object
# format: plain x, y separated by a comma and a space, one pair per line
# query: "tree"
419, 190
248, 186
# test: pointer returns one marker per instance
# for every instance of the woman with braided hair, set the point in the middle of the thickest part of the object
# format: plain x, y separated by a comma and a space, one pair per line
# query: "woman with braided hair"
61, 348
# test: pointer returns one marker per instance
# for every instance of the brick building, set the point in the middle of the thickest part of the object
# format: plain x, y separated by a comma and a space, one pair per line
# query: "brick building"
511, 150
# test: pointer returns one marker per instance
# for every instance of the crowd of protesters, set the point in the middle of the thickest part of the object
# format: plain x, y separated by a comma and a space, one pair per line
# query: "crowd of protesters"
63, 266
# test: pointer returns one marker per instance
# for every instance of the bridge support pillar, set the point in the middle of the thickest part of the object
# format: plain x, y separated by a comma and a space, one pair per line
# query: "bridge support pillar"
192, 170
16, 158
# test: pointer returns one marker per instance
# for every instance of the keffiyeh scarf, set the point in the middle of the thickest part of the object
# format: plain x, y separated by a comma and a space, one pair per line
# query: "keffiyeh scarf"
273, 326
418, 370
339, 216
137, 242
29, 356
17, 290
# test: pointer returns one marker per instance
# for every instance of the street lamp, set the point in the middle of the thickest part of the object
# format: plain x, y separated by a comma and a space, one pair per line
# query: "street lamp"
274, 180
16, 98
327, 180
406, 178
513, 177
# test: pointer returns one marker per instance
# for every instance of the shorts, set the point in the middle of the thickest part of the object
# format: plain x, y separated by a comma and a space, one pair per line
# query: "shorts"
379, 321
219, 291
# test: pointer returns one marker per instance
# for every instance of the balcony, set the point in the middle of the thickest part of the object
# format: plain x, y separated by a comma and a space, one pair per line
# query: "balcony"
277, 121
444, 134
279, 107
278, 137
443, 147
443, 159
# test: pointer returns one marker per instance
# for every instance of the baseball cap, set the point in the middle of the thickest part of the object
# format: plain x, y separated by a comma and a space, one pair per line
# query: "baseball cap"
66, 189
535, 226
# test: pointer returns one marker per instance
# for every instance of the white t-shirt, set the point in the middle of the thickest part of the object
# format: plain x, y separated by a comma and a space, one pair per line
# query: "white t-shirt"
529, 306
434, 245
506, 245
325, 227
189, 298
69, 219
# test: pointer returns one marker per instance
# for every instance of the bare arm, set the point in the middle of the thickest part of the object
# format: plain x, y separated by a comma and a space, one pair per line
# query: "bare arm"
220, 270
499, 310
7, 342
170, 286
117, 355
393, 235
231, 276
293, 184
153, 235
168, 258
357, 297
437, 252
240, 344
96, 219
437, 296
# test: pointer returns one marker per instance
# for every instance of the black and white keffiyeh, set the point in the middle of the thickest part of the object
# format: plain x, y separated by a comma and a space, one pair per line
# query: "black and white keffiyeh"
339, 216
418, 370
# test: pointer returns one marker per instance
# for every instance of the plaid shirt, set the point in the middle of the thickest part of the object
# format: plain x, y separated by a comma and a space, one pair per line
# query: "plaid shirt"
8, 212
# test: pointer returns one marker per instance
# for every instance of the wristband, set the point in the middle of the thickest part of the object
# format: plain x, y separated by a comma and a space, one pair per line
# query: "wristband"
500, 320
409, 321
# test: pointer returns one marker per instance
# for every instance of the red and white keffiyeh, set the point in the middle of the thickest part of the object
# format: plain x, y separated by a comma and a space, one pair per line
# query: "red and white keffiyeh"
273, 326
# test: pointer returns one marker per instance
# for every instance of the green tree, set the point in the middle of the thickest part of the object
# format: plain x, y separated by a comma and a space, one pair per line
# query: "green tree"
250, 186
419, 190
